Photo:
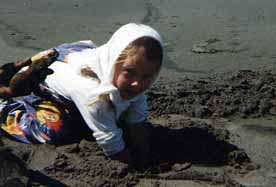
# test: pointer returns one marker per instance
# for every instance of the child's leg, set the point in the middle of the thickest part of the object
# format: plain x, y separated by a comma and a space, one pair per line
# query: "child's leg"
7, 71
43, 60
25, 82
45, 126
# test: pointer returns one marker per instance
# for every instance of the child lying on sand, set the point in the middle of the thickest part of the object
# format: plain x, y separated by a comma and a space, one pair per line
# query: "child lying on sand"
104, 85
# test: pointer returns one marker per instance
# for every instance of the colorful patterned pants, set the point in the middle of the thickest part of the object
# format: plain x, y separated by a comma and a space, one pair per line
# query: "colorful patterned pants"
33, 120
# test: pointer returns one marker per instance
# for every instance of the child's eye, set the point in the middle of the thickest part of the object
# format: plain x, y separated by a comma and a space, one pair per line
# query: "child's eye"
130, 72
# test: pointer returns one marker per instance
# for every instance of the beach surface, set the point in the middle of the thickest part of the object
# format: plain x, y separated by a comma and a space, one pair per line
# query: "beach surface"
212, 109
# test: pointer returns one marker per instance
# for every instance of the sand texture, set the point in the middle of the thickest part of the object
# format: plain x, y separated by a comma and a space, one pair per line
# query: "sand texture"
212, 111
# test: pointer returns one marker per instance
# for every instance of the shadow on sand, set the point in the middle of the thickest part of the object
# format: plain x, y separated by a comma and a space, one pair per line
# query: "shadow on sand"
196, 144
15, 173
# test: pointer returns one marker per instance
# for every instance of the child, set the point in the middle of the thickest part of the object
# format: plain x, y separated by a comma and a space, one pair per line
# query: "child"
105, 84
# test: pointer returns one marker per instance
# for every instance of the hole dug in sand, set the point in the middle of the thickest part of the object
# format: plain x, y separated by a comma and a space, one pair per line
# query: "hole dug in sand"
194, 150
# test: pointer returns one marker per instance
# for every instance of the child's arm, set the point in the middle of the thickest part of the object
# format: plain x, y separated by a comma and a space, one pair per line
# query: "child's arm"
135, 119
101, 119
140, 142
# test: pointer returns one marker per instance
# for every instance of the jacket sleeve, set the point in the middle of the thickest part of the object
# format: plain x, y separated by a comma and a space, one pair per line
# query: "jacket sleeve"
98, 116
101, 120
137, 111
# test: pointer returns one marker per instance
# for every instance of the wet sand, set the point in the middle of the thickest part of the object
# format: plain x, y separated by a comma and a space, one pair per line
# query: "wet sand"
213, 108
245, 31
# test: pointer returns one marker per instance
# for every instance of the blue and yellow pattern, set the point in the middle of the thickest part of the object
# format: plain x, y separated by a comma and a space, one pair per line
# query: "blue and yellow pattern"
33, 120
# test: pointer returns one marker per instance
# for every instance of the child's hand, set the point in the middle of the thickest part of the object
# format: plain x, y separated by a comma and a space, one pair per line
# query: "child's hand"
123, 156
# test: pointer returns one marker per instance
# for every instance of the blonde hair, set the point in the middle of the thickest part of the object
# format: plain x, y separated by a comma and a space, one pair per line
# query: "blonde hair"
153, 48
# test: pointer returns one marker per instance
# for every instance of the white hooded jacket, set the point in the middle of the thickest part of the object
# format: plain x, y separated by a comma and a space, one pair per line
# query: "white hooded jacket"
68, 82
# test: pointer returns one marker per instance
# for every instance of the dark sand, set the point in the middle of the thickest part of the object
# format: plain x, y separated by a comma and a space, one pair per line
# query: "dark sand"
212, 110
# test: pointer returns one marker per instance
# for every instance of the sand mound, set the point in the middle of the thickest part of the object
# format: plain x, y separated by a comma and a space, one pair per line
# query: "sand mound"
188, 140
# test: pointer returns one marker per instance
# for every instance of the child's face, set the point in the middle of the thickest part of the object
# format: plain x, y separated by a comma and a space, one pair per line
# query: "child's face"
135, 75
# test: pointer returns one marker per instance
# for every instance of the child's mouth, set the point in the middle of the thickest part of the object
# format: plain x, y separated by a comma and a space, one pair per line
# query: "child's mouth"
127, 94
